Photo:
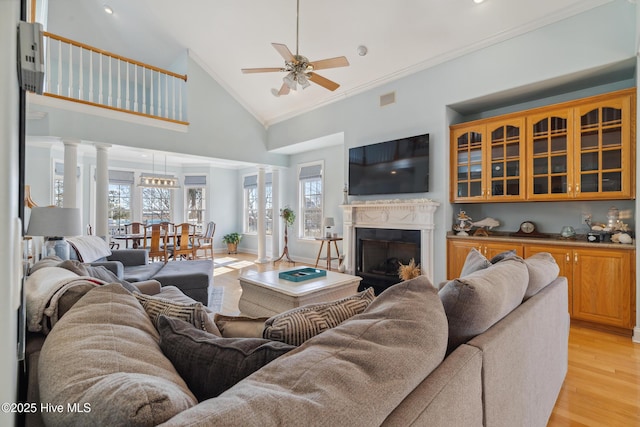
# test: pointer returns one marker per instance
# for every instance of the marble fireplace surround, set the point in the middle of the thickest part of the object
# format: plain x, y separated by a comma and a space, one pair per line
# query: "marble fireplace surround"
413, 214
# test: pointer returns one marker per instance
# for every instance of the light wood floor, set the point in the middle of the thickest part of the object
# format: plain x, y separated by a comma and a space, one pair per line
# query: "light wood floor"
602, 387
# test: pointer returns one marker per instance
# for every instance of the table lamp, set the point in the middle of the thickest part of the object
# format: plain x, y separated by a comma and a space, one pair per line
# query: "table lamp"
54, 224
328, 223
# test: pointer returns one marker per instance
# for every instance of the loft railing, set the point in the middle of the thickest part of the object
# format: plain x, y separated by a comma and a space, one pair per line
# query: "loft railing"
82, 73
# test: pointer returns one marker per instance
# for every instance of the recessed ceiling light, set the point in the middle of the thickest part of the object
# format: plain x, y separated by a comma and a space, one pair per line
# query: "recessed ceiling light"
108, 9
362, 50
478, 1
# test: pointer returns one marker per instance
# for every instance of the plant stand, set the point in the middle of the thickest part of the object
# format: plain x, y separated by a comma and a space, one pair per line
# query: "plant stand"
285, 251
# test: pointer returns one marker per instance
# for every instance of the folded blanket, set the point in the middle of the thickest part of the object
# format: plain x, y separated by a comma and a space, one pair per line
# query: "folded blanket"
89, 248
43, 289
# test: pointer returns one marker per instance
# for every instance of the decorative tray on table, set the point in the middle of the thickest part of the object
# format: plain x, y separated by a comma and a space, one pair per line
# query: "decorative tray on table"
301, 274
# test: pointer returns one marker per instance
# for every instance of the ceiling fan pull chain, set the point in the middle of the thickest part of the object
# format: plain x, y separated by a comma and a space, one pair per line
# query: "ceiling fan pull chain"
297, 25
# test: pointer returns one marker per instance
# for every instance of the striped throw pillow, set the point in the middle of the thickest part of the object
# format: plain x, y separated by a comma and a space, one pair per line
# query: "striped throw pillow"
193, 313
299, 324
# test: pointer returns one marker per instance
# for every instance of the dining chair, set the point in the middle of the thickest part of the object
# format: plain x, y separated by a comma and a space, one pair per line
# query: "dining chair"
134, 228
182, 246
157, 239
205, 242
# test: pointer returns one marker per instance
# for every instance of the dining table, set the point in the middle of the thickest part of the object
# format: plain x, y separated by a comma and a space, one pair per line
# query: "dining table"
135, 238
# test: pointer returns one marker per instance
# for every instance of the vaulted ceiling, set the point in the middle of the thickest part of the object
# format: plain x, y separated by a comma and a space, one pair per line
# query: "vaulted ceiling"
224, 36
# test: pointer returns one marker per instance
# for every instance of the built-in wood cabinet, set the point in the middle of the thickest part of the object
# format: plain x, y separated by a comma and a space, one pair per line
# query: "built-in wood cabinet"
489, 161
601, 279
582, 149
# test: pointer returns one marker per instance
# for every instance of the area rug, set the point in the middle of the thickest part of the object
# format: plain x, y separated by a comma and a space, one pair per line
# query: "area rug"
216, 295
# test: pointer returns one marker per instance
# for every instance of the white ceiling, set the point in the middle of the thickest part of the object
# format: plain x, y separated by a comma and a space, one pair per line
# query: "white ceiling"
224, 36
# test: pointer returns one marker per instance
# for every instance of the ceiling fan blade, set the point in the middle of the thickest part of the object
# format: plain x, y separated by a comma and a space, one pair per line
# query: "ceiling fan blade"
284, 90
284, 51
322, 81
339, 61
261, 70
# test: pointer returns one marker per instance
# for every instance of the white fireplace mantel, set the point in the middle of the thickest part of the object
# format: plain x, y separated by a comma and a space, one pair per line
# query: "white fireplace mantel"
415, 214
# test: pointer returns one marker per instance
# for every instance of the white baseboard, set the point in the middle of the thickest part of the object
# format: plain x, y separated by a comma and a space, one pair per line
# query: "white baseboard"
636, 334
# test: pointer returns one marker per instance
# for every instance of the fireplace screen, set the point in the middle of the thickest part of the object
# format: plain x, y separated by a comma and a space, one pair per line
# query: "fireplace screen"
380, 253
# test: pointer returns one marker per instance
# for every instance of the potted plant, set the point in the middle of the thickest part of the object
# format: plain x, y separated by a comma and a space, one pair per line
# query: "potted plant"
232, 240
289, 217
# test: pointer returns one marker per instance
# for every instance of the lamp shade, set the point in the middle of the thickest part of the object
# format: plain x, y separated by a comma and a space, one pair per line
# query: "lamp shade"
328, 222
52, 221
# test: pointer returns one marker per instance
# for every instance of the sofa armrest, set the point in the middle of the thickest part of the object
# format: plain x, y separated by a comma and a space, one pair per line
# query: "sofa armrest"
115, 267
129, 257
148, 287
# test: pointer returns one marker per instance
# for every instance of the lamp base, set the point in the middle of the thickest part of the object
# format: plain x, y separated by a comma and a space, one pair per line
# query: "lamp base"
56, 246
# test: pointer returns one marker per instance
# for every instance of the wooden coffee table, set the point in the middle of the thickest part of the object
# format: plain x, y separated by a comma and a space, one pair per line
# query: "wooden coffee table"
265, 294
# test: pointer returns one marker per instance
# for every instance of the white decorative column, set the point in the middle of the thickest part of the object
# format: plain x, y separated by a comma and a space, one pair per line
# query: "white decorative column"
102, 191
70, 195
415, 214
275, 205
262, 236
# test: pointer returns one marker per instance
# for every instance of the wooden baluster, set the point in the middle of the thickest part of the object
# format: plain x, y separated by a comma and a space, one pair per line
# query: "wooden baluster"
100, 95
135, 87
59, 91
70, 86
48, 66
151, 109
128, 102
80, 77
119, 94
173, 114
110, 93
90, 76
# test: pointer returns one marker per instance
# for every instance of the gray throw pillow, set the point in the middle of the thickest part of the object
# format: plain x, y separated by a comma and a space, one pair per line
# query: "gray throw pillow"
543, 270
475, 261
476, 302
210, 364
97, 272
503, 255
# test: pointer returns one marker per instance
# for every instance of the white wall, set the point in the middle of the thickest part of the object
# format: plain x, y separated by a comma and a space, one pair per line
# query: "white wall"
9, 16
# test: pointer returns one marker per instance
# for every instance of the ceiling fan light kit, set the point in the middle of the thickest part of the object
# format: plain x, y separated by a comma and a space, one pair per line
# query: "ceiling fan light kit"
300, 71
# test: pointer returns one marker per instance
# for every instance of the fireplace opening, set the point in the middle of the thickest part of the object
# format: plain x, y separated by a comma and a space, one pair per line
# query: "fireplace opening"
380, 253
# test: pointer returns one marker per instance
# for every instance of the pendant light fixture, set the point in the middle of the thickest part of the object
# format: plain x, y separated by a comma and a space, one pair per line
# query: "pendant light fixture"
154, 180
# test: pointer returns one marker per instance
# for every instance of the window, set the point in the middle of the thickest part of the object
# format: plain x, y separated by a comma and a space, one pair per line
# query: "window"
310, 198
250, 185
156, 205
195, 192
120, 213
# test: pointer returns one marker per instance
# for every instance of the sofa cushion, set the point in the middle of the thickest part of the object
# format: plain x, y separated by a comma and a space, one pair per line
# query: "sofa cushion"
240, 326
543, 270
48, 261
475, 302
139, 273
210, 364
395, 343
297, 325
97, 272
105, 351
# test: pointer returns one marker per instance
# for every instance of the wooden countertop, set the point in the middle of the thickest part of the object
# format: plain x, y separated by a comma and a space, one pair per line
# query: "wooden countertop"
552, 239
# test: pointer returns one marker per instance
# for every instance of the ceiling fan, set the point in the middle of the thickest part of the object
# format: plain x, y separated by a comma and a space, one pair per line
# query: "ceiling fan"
299, 69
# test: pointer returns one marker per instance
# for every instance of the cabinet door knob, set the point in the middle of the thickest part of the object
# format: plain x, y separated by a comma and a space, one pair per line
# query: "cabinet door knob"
575, 258
568, 257
577, 188
569, 188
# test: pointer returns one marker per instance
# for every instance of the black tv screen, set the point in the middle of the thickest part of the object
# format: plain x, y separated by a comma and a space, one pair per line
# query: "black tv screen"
391, 167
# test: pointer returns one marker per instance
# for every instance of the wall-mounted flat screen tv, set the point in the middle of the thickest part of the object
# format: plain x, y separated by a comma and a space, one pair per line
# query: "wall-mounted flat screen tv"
391, 167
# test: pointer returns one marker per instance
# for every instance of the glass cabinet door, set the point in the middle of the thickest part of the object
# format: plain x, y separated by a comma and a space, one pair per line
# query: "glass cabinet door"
505, 153
603, 149
550, 155
467, 163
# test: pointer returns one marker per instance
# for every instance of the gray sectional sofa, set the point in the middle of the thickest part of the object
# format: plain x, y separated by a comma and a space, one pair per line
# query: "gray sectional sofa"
193, 277
415, 356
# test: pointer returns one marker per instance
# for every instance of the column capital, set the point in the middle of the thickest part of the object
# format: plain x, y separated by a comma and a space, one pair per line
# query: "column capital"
71, 142
102, 146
